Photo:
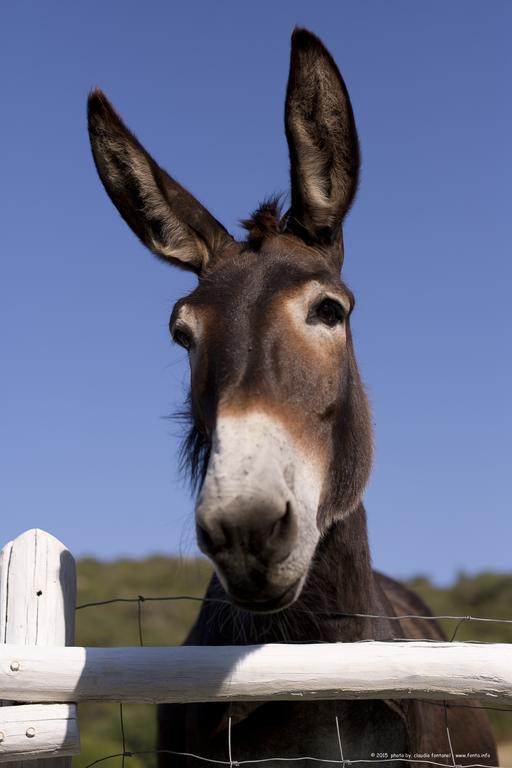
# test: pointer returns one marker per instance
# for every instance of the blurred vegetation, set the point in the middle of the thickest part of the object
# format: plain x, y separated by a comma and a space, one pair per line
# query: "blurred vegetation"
167, 623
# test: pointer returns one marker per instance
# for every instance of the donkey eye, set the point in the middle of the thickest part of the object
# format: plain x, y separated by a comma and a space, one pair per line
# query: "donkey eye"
328, 312
182, 338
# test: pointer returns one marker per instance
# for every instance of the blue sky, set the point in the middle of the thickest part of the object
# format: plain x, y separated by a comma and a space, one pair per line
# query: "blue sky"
89, 374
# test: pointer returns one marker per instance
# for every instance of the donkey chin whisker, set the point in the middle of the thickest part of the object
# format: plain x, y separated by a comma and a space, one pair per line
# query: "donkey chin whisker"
274, 604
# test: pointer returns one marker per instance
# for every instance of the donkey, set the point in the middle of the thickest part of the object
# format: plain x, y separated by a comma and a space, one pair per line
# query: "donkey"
281, 439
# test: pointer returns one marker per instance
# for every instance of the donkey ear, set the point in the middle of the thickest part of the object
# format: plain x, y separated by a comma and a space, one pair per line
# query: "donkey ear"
166, 218
322, 140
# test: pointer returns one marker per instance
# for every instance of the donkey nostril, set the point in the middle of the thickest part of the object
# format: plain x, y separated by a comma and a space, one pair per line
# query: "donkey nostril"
281, 536
287, 520
275, 530
281, 525
205, 540
213, 536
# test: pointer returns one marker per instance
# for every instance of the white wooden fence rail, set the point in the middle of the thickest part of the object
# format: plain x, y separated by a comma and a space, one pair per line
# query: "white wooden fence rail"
368, 670
37, 601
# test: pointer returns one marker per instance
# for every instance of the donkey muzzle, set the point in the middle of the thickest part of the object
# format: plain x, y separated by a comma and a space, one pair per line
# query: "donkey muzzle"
252, 520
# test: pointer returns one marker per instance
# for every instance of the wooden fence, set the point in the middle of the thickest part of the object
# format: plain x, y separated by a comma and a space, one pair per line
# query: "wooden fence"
37, 606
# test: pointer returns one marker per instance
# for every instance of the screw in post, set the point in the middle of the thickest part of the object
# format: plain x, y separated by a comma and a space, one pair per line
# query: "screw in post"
15, 665
30, 732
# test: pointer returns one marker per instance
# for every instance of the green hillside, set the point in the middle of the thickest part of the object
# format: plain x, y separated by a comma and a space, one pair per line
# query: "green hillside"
167, 623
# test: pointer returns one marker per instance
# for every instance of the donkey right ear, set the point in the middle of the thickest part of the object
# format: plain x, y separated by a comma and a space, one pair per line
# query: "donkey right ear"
322, 139
166, 218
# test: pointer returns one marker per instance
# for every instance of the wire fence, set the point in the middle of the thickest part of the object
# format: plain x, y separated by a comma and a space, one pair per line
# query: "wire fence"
450, 756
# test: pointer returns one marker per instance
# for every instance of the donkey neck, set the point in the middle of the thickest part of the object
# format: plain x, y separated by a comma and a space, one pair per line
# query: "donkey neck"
340, 582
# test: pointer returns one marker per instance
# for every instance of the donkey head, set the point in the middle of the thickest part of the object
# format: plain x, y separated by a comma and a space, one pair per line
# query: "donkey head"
281, 426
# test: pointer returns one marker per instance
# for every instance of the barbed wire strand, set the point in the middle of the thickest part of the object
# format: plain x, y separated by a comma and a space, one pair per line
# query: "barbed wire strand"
374, 761
123, 738
454, 705
451, 748
339, 740
158, 598
124, 753
140, 600
230, 753
452, 639
457, 626
331, 614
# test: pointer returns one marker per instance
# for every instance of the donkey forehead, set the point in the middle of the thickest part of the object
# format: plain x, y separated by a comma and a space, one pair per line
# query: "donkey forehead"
256, 282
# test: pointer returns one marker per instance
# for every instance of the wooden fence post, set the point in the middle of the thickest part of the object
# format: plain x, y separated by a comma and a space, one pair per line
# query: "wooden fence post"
37, 607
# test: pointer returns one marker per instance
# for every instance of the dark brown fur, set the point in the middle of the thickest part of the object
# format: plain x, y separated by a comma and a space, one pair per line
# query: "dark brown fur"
252, 354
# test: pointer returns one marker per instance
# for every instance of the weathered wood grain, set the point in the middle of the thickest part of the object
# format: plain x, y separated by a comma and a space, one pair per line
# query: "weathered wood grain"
366, 670
38, 731
37, 609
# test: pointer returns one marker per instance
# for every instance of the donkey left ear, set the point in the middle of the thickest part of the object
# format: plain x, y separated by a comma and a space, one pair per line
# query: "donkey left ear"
163, 215
322, 140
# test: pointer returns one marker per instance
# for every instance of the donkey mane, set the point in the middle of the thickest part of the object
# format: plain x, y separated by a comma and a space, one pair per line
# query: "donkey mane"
194, 451
265, 221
